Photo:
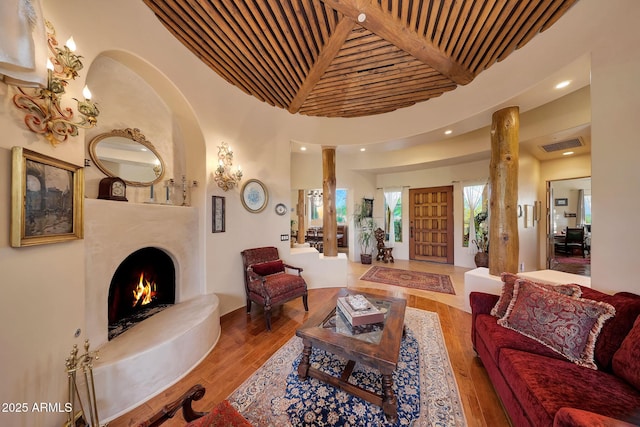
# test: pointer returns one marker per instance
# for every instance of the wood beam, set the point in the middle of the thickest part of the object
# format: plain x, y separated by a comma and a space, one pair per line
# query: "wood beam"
394, 31
302, 229
327, 55
329, 221
503, 201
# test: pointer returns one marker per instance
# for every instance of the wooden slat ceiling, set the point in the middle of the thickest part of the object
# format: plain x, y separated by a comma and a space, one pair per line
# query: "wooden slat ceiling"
349, 58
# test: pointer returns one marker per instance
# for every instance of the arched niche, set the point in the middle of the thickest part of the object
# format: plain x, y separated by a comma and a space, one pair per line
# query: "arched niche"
132, 93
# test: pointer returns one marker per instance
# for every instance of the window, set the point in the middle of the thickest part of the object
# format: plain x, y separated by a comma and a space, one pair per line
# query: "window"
341, 206
475, 202
587, 208
393, 215
315, 204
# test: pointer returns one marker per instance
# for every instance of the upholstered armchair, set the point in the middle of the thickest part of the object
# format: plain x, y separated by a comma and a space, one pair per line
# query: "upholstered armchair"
222, 415
268, 280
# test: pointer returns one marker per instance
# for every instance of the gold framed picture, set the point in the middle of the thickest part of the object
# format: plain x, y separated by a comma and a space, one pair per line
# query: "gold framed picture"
47, 199
254, 196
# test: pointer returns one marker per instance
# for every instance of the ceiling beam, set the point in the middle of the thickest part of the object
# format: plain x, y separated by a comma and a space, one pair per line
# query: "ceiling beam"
394, 31
327, 55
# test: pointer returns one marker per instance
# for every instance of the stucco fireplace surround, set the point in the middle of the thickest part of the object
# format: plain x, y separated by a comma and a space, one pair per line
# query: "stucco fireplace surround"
150, 356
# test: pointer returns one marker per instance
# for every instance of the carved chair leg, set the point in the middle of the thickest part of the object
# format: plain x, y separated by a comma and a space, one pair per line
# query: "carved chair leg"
305, 298
248, 305
267, 316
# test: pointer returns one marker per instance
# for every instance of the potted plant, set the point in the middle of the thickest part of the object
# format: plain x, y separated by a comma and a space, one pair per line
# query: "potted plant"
365, 239
365, 226
482, 240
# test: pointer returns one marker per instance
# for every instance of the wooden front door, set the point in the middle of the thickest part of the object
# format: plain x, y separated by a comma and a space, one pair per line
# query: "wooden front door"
431, 224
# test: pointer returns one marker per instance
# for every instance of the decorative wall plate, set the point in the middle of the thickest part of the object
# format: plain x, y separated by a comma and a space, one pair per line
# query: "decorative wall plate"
281, 209
254, 196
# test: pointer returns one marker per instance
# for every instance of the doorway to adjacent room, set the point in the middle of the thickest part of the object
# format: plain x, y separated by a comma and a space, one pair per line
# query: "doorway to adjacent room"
569, 215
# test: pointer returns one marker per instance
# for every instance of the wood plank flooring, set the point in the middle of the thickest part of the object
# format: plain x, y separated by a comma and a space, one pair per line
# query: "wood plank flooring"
245, 345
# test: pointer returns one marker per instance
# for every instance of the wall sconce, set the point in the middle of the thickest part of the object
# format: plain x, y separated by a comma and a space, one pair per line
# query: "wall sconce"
44, 114
224, 176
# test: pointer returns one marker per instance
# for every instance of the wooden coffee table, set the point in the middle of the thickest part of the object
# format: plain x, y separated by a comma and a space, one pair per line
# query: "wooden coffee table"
378, 349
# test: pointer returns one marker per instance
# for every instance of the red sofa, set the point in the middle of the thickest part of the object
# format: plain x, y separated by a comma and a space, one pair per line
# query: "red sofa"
540, 387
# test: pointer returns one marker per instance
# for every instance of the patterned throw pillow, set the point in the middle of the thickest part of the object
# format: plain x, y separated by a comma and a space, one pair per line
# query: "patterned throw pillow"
567, 325
269, 267
509, 279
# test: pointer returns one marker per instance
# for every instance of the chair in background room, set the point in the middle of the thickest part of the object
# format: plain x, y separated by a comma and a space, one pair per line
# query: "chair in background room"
574, 241
268, 282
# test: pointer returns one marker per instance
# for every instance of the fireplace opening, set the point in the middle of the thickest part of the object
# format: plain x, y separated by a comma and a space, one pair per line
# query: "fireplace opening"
144, 284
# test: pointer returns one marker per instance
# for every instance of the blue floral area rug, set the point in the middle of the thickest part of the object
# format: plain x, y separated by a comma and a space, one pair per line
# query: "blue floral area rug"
424, 384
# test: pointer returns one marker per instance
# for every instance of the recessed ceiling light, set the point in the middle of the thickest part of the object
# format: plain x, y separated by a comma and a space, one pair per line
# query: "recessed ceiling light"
303, 148
567, 153
563, 84
448, 132
363, 149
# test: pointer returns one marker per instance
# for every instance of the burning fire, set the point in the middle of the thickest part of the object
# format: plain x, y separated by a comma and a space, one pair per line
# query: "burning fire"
144, 292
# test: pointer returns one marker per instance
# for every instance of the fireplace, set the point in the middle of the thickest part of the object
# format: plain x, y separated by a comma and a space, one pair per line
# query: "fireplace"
149, 357
143, 284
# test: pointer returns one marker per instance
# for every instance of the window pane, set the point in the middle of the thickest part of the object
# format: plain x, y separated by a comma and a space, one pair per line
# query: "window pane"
341, 206
587, 209
394, 217
475, 201
314, 198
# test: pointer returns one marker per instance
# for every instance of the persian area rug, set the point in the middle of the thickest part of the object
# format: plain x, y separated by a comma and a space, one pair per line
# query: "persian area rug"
424, 385
410, 279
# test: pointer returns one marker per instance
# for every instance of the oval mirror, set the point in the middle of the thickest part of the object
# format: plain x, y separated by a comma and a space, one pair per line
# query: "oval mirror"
126, 154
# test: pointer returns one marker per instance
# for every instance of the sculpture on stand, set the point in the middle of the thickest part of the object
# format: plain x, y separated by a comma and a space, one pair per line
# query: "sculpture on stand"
384, 252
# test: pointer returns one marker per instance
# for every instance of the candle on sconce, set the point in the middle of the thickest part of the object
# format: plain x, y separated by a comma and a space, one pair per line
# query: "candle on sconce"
71, 44
49, 73
86, 93
151, 196
167, 193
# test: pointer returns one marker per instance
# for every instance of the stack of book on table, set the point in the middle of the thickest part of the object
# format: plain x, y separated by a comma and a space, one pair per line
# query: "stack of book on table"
359, 311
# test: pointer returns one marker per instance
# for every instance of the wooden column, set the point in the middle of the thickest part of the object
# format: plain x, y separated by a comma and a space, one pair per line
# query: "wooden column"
329, 222
503, 199
302, 230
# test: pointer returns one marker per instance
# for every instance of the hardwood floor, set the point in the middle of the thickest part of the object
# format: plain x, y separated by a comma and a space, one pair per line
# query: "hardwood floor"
245, 345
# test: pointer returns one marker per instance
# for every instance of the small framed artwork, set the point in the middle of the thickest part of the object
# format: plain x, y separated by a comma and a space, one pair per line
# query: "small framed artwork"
47, 199
367, 208
561, 202
254, 196
218, 214
528, 216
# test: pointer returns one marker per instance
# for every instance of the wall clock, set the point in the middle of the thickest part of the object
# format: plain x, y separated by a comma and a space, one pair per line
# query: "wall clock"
112, 188
254, 196
281, 209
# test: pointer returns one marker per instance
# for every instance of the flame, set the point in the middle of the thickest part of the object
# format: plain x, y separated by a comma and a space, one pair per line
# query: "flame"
144, 292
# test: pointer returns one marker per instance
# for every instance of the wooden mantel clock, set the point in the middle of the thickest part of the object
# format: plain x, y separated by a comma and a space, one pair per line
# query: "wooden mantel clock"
112, 188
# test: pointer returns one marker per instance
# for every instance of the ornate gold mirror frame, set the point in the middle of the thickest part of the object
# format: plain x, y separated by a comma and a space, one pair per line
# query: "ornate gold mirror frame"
127, 154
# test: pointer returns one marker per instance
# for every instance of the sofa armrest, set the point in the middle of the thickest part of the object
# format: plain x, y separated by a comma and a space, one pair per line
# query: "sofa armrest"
482, 303
572, 417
